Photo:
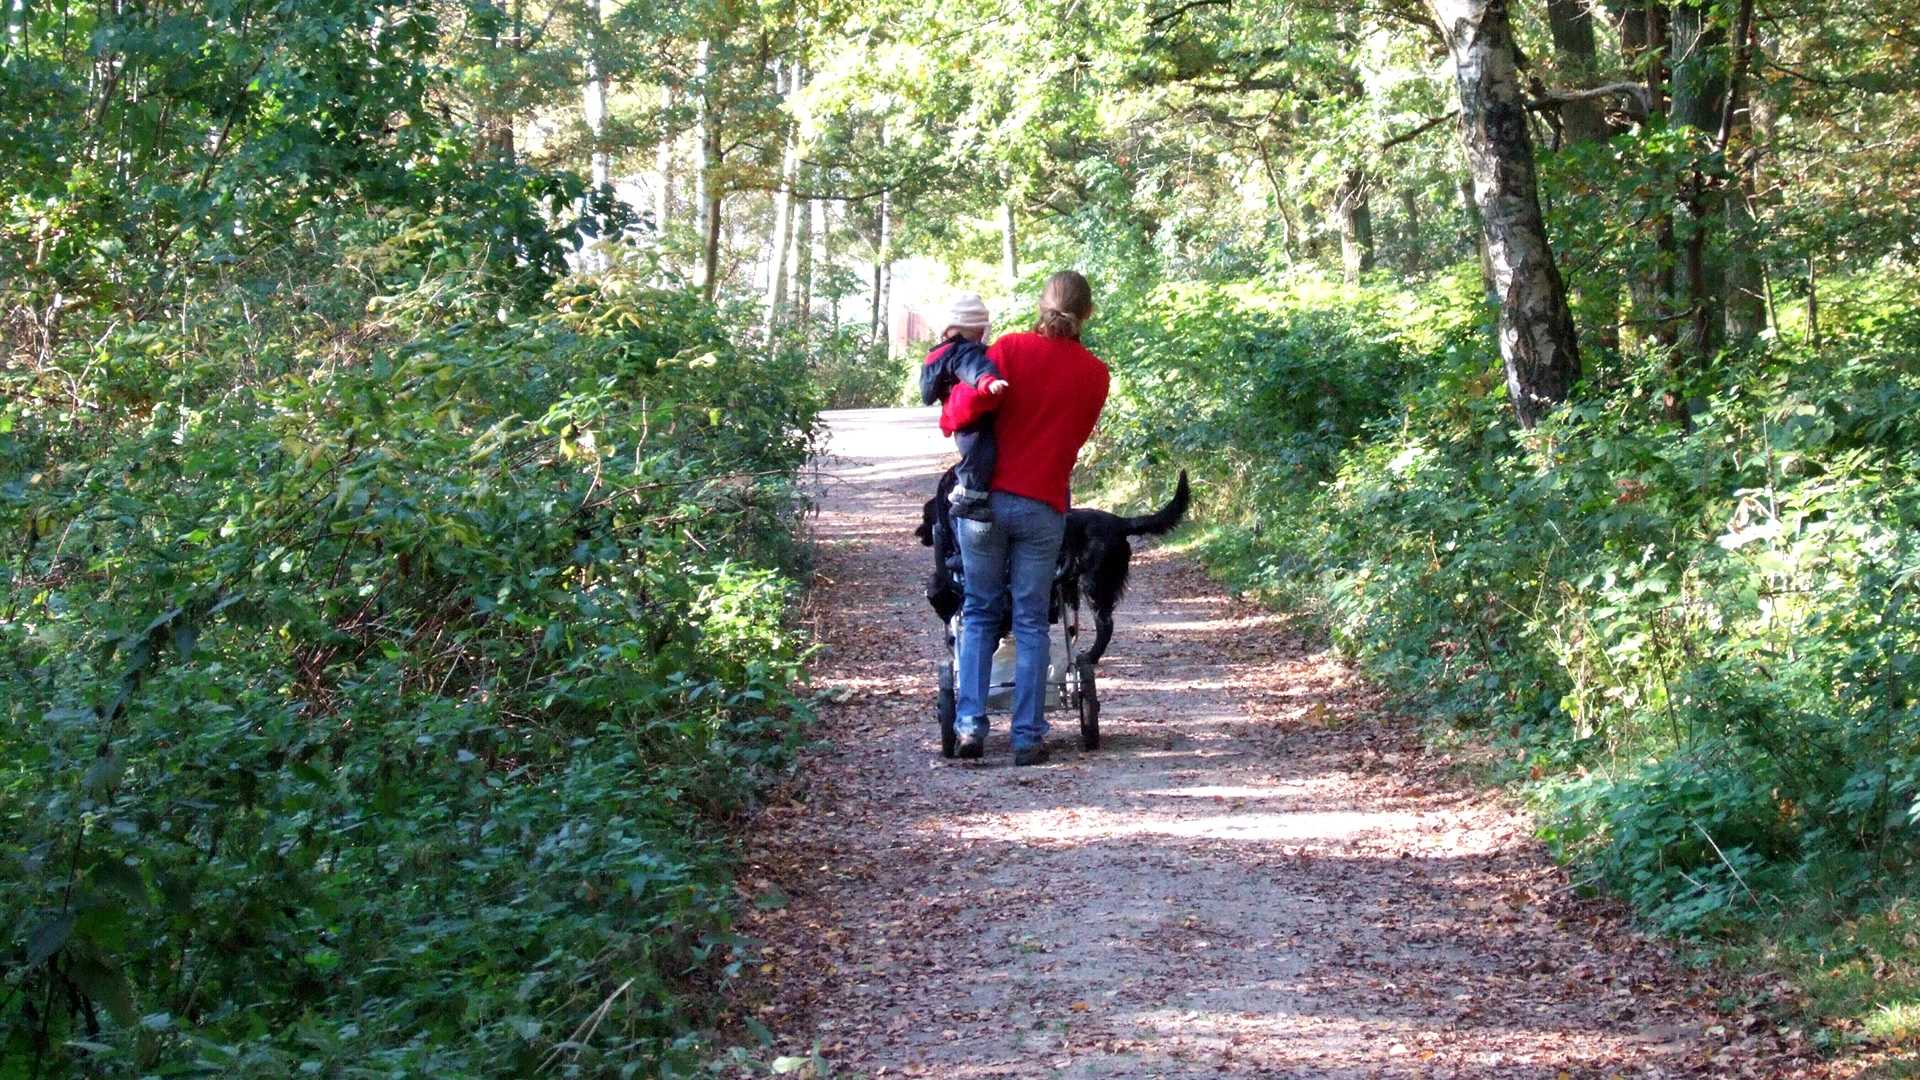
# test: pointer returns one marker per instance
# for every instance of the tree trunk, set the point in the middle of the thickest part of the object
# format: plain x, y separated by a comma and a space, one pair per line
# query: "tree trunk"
1009, 248
1699, 90
1638, 21
1479, 227
802, 288
1572, 24
824, 266
882, 259
593, 107
1287, 231
1699, 84
1632, 20
594, 98
1813, 307
783, 203
707, 163
1584, 122
663, 165
1410, 261
1537, 339
1664, 286
1355, 223
885, 330
1745, 288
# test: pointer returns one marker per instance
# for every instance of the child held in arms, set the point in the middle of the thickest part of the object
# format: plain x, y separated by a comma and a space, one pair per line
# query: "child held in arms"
959, 376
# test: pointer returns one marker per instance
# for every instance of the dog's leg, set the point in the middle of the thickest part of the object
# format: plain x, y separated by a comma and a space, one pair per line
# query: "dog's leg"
1102, 602
1102, 633
1104, 587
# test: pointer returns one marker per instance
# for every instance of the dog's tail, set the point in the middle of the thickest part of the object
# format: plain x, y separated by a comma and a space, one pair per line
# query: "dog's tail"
1158, 524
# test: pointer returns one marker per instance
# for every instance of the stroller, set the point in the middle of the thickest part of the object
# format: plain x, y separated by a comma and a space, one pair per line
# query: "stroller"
1070, 681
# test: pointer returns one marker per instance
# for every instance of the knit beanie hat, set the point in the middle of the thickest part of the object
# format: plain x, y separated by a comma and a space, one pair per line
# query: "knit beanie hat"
966, 311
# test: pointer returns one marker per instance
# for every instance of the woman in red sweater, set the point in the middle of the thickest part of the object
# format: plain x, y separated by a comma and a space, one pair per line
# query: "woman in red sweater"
1055, 391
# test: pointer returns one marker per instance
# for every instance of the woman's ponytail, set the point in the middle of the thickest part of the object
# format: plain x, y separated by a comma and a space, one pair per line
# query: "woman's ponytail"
1065, 304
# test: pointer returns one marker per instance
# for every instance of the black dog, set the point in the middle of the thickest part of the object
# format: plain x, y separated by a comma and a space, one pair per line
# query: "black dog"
1095, 557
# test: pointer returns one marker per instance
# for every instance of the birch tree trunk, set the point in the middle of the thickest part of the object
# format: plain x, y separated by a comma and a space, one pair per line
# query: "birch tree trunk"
802, 287
1537, 340
663, 165
1009, 248
823, 262
707, 161
883, 273
594, 97
594, 110
783, 203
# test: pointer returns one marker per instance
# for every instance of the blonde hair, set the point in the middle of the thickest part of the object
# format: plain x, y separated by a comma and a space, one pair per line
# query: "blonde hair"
1065, 304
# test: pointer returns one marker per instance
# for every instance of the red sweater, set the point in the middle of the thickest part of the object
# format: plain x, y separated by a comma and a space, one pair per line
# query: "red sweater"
1055, 391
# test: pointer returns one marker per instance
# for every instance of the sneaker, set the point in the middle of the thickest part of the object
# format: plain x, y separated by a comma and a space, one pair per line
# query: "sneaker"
972, 746
973, 508
1032, 755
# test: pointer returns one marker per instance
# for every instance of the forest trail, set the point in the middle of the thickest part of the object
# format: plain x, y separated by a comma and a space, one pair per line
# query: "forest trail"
1259, 874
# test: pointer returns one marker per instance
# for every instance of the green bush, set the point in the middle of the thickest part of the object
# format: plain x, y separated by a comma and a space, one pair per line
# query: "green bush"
381, 673
851, 371
1704, 635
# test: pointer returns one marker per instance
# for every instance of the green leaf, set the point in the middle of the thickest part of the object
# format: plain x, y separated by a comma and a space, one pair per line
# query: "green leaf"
48, 938
107, 985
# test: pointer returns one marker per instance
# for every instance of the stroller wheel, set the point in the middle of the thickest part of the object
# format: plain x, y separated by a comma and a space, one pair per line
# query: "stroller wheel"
948, 738
1089, 708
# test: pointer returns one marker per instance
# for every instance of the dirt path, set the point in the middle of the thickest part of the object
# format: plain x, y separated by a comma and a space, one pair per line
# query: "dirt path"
1259, 874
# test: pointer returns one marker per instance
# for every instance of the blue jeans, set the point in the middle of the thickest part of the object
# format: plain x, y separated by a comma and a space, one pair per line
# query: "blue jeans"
1009, 559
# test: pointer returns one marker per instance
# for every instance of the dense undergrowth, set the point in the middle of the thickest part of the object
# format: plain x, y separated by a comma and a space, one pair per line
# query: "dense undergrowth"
383, 661
1695, 641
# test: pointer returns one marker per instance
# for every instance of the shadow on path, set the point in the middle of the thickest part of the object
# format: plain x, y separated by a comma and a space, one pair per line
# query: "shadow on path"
1260, 874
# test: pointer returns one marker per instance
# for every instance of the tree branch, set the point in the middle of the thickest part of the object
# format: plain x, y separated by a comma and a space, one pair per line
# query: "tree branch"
1635, 91
1162, 19
1245, 85
1409, 136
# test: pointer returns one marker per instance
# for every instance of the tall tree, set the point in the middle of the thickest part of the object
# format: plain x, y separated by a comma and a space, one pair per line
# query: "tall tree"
1009, 247
1354, 221
1571, 22
709, 152
782, 232
1745, 290
1537, 340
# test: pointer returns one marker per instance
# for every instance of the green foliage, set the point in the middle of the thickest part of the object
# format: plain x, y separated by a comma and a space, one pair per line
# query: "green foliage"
1703, 637
380, 677
852, 371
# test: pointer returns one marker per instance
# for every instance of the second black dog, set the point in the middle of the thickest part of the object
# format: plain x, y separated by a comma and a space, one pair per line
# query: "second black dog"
1096, 557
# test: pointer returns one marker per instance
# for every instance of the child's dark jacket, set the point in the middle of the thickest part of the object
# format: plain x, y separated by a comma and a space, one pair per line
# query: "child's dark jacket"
956, 374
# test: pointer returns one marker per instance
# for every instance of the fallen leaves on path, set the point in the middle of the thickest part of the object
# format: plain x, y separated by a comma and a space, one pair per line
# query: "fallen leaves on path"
1262, 872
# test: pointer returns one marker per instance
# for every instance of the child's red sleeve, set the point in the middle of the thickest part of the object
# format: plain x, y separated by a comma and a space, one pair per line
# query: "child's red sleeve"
964, 406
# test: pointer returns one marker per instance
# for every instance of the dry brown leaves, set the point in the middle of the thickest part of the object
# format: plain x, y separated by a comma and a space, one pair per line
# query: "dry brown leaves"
1262, 873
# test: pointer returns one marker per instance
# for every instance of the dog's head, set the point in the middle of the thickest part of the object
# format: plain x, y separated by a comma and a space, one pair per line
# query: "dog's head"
929, 517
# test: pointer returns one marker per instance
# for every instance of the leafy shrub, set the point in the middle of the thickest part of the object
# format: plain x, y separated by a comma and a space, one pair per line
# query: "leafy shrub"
381, 673
1704, 635
852, 371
